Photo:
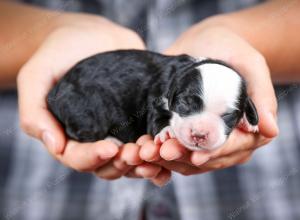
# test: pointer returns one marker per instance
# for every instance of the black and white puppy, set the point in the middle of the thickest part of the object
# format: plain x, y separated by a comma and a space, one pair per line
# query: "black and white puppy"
124, 94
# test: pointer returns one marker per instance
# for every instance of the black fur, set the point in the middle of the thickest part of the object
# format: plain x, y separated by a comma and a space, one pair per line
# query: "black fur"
116, 94
121, 93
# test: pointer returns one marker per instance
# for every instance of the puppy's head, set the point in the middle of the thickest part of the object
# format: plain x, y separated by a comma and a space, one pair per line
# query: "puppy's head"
207, 102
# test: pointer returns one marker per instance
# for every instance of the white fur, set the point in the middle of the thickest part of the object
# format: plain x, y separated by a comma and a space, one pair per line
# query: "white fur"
180, 125
220, 90
220, 87
164, 135
199, 59
166, 103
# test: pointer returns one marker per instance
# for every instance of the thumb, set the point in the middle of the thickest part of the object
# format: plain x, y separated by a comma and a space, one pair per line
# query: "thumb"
262, 93
35, 119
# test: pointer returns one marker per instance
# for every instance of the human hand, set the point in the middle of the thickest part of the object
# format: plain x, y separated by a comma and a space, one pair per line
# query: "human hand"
76, 36
129, 163
210, 39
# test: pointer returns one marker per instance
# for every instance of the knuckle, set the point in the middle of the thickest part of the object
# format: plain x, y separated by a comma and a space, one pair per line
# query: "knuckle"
26, 124
223, 165
218, 165
264, 141
223, 150
259, 59
184, 171
83, 170
21, 74
244, 160
20, 77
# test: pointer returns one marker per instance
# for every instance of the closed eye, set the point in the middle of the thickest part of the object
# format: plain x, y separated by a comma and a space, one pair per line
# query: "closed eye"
229, 116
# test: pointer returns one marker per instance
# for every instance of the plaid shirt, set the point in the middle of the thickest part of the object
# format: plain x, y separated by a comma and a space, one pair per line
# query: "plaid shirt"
34, 186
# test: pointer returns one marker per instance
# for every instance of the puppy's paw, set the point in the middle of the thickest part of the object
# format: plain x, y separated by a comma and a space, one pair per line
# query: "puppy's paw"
165, 134
246, 126
116, 141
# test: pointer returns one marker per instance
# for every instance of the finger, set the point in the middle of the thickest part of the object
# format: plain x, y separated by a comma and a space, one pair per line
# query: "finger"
143, 139
173, 150
149, 151
130, 154
178, 167
110, 172
87, 156
147, 170
226, 161
132, 174
198, 158
35, 118
162, 178
237, 141
262, 93
240, 141
119, 163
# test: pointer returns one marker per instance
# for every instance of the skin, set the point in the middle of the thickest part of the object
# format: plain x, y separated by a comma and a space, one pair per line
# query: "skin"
41, 59
52, 50
229, 38
213, 41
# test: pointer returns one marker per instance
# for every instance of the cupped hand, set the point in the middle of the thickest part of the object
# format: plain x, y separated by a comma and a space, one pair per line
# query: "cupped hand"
76, 37
129, 163
218, 42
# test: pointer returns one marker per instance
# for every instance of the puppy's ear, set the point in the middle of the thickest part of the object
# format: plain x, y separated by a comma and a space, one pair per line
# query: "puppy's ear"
250, 112
171, 95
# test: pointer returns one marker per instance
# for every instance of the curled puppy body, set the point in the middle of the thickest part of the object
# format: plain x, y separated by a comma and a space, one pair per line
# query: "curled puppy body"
127, 93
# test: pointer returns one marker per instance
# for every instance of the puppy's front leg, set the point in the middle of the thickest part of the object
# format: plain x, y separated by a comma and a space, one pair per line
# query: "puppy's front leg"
158, 122
165, 134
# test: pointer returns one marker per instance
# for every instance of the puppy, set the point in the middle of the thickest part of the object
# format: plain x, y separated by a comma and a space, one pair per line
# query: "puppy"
124, 94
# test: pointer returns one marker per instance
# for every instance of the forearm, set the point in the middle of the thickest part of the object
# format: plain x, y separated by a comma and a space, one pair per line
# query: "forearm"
23, 29
273, 29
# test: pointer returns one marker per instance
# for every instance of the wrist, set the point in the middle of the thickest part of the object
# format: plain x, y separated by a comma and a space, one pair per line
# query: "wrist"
114, 34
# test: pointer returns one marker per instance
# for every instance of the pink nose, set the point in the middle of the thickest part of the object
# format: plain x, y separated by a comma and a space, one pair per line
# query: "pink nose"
200, 137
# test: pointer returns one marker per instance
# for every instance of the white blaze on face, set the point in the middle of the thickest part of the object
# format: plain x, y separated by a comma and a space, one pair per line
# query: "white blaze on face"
206, 129
221, 86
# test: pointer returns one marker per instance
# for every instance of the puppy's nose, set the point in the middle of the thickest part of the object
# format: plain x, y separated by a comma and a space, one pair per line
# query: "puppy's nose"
199, 137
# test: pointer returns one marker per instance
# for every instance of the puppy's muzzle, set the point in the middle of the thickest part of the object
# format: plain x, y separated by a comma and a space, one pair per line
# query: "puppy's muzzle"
199, 138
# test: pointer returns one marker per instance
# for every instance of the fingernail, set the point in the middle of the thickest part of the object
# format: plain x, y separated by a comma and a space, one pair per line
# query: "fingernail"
49, 141
109, 153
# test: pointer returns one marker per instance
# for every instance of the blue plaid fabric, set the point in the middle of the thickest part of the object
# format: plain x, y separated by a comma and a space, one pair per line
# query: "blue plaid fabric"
34, 186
